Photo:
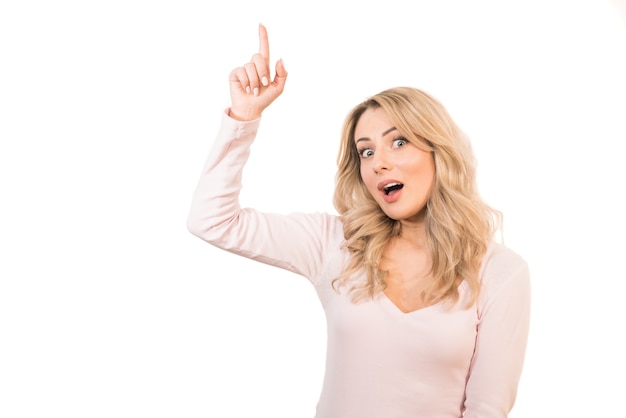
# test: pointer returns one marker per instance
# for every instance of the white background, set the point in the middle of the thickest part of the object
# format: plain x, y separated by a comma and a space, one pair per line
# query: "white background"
110, 308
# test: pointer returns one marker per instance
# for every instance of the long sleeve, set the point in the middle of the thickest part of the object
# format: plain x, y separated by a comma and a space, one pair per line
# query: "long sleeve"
296, 242
504, 317
381, 361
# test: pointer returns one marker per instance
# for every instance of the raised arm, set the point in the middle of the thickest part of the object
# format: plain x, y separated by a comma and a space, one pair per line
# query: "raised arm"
251, 86
295, 242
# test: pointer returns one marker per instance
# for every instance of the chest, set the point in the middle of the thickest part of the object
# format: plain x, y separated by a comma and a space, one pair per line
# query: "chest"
378, 329
408, 276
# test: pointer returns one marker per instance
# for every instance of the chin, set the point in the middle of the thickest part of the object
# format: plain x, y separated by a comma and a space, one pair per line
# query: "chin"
406, 217
394, 215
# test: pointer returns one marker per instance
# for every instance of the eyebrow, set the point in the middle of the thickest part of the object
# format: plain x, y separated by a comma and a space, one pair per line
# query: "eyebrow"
393, 128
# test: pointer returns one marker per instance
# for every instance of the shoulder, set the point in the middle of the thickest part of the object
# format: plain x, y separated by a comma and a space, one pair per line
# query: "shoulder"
501, 258
330, 226
503, 267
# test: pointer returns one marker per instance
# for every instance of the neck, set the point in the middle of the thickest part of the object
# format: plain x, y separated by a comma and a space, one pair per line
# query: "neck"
414, 233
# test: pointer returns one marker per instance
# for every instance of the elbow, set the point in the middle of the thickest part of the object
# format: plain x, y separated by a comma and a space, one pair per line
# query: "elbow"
197, 225
193, 226
212, 220
208, 228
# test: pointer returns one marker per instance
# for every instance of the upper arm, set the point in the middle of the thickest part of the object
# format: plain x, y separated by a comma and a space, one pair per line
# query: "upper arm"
295, 242
502, 334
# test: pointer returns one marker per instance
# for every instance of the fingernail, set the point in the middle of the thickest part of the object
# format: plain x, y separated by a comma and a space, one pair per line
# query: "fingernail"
248, 89
256, 91
264, 81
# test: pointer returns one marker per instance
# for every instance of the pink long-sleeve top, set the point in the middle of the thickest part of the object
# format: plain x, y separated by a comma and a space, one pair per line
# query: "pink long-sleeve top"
381, 362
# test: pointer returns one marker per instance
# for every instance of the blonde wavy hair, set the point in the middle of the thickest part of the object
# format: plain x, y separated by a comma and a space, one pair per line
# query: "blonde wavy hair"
459, 224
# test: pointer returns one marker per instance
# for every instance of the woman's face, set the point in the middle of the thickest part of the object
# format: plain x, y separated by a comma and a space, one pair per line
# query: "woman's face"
397, 174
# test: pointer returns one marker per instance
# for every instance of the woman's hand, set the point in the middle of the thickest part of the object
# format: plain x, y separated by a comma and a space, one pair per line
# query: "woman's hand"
251, 86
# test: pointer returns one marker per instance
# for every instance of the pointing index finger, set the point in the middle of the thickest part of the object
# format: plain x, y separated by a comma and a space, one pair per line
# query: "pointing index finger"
264, 45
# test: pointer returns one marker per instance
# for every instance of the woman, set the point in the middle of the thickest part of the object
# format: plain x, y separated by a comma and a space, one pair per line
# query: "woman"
427, 316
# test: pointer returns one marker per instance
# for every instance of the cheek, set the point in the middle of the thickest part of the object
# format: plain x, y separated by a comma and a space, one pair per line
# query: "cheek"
366, 176
422, 167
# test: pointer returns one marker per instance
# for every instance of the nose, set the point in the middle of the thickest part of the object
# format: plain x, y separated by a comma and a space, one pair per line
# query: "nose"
381, 161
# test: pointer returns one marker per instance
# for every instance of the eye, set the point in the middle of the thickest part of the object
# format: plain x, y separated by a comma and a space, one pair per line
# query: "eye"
399, 142
366, 152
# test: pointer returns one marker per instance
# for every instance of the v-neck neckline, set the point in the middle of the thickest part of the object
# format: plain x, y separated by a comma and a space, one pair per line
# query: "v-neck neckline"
394, 309
397, 311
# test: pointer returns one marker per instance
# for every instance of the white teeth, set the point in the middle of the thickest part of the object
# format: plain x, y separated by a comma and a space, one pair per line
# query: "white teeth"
387, 186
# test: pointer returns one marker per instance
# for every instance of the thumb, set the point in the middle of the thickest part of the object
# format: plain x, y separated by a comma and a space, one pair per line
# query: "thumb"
280, 76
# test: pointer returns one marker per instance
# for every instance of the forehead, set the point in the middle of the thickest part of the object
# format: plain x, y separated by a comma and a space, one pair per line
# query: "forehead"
373, 123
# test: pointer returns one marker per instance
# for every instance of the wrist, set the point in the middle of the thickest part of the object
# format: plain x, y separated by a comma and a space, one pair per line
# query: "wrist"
243, 116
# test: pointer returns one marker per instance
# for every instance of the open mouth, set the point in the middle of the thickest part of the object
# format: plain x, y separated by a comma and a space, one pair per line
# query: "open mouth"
392, 187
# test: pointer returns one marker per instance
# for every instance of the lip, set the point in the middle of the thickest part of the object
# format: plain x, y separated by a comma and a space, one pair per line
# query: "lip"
381, 185
389, 198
